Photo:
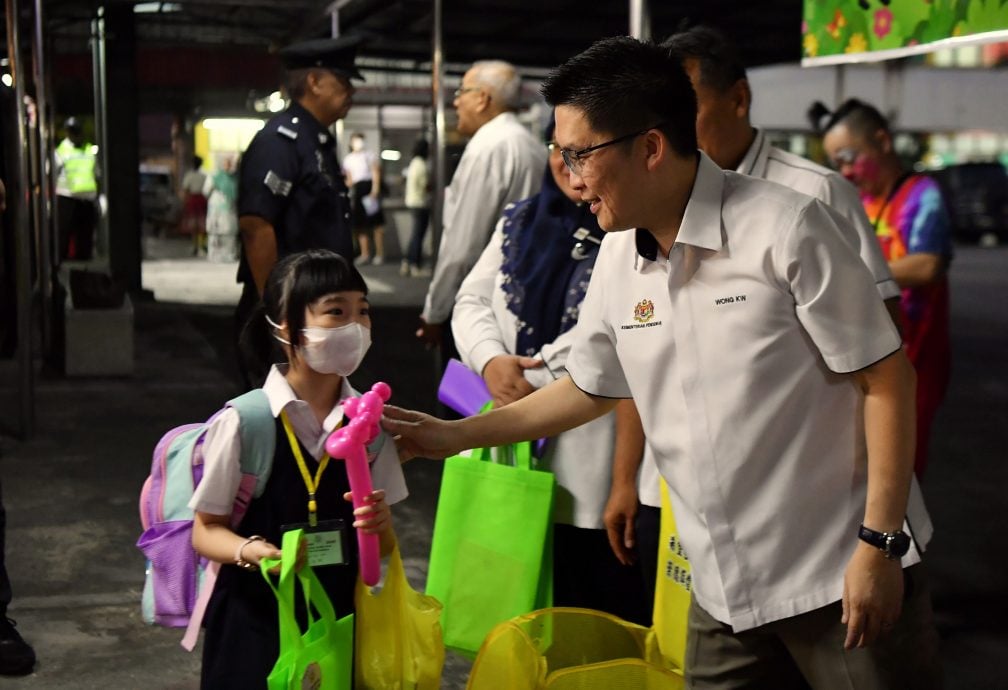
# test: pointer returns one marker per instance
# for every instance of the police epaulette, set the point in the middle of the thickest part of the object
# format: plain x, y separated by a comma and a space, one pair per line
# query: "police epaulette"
287, 132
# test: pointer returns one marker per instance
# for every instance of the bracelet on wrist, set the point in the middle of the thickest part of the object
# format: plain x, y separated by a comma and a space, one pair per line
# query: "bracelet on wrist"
240, 560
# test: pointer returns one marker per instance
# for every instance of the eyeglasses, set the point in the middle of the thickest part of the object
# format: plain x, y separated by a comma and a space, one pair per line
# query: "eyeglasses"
575, 159
462, 90
844, 157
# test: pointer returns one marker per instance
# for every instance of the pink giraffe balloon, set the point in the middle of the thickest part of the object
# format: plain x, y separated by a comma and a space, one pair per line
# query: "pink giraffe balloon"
349, 443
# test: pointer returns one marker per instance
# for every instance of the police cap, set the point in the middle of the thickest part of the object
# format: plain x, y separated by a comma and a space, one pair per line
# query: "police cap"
334, 54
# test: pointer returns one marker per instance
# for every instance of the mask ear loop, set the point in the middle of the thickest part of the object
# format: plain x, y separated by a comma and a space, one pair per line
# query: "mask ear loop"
277, 327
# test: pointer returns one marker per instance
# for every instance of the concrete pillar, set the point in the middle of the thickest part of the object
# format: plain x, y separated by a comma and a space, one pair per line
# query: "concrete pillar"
121, 118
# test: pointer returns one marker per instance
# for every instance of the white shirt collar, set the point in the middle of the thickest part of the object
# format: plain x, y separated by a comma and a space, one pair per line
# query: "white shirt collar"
755, 160
701, 223
498, 121
306, 427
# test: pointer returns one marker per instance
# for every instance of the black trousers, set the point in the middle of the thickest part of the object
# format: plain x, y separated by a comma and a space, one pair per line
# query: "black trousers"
646, 528
77, 219
586, 574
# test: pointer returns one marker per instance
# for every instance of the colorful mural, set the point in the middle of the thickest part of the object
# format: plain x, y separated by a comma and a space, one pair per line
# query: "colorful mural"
839, 31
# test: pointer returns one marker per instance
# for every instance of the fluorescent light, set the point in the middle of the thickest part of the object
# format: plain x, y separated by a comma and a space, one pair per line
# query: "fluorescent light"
233, 123
391, 155
156, 7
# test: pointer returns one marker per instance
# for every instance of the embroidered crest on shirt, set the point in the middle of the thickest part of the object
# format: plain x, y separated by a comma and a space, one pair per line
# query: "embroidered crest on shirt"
643, 316
276, 184
644, 311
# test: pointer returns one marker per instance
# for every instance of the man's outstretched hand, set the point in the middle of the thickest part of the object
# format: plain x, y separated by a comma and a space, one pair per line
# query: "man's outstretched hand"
420, 435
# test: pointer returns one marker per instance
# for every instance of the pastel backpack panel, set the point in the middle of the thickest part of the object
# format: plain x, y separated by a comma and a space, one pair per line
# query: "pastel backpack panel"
179, 581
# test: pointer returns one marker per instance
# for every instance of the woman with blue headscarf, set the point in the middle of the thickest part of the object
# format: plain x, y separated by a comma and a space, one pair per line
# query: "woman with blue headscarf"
513, 322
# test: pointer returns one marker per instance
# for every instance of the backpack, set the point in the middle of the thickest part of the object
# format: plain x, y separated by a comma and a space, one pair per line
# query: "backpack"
179, 581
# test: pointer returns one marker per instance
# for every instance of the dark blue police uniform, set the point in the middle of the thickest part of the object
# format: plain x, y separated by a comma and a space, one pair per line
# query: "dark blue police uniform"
291, 178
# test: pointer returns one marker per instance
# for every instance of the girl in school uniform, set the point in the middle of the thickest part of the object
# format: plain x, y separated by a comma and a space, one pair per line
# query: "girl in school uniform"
315, 308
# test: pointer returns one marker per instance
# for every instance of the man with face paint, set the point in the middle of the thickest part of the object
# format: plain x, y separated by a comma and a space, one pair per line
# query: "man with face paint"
912, 227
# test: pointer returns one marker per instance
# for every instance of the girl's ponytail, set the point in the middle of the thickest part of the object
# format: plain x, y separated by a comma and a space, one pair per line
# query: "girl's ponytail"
818, 115
255, 345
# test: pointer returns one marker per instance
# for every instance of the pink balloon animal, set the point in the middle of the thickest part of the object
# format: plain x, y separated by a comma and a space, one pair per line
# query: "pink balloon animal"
349, 443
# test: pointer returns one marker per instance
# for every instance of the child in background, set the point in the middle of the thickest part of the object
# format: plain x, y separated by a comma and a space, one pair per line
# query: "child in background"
315, 307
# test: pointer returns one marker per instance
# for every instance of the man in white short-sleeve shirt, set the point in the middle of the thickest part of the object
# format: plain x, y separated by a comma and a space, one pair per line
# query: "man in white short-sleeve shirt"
725, 134
770, 380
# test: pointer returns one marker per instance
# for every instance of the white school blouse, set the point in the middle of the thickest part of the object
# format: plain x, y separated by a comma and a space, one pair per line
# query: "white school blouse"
222, 448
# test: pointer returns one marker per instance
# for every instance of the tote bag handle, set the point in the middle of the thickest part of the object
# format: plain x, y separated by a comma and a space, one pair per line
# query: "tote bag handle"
311, 588
517, 454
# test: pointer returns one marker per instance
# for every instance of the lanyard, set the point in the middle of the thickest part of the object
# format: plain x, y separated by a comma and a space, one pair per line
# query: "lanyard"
310, 484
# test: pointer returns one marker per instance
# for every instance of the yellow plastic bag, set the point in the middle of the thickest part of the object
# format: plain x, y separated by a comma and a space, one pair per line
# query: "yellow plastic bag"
570, 648
672, 591
399, 644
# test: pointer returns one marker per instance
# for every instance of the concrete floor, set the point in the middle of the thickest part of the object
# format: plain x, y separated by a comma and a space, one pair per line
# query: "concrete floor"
71, 491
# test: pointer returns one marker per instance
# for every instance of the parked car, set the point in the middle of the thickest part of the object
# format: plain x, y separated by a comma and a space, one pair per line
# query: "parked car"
160, 208
976, 195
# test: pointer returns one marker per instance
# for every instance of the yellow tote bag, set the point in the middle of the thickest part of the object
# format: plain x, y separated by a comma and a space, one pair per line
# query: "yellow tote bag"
399, 644
571, 649
672, 591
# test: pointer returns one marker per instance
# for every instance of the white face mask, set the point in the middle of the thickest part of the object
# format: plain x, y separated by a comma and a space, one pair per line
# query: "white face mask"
333, 350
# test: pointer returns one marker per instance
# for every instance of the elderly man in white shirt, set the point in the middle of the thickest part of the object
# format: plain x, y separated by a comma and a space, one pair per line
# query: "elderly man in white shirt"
502, 163
771, 384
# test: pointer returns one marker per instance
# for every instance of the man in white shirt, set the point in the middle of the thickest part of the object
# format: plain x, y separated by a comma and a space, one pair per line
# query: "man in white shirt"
724, 133
771, 384
502, 163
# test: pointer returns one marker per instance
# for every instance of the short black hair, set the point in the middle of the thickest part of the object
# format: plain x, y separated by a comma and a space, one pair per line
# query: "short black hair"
622, 85
860, 117
421, 147
294, 283
299, 279
721, 64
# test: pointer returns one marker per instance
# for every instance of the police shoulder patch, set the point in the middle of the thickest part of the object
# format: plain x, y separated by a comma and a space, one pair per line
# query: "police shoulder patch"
276, 184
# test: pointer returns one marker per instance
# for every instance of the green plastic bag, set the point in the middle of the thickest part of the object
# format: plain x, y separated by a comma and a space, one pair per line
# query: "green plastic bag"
320, 658
491, 556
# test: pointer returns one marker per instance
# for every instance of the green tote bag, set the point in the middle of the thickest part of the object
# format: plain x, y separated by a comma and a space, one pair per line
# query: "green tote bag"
320, 658
491, 555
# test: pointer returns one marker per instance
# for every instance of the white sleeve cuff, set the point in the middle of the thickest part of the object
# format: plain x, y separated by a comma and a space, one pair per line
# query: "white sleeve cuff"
482, 353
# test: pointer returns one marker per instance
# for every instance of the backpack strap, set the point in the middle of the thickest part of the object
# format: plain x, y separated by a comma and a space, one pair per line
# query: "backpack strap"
257, 430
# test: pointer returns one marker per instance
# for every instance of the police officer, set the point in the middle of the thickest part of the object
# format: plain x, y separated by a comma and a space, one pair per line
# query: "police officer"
76, 191
291, 193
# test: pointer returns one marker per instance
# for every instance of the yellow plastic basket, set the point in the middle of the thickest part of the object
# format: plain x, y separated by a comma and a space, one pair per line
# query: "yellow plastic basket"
568, 648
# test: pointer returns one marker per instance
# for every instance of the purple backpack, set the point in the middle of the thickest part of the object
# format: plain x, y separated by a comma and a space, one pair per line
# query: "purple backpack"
179, 581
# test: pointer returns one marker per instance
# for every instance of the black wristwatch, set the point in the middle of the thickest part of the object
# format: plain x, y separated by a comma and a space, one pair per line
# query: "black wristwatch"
892, 544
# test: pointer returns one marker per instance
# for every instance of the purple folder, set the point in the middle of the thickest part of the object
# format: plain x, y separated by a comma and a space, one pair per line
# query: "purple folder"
463, 390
